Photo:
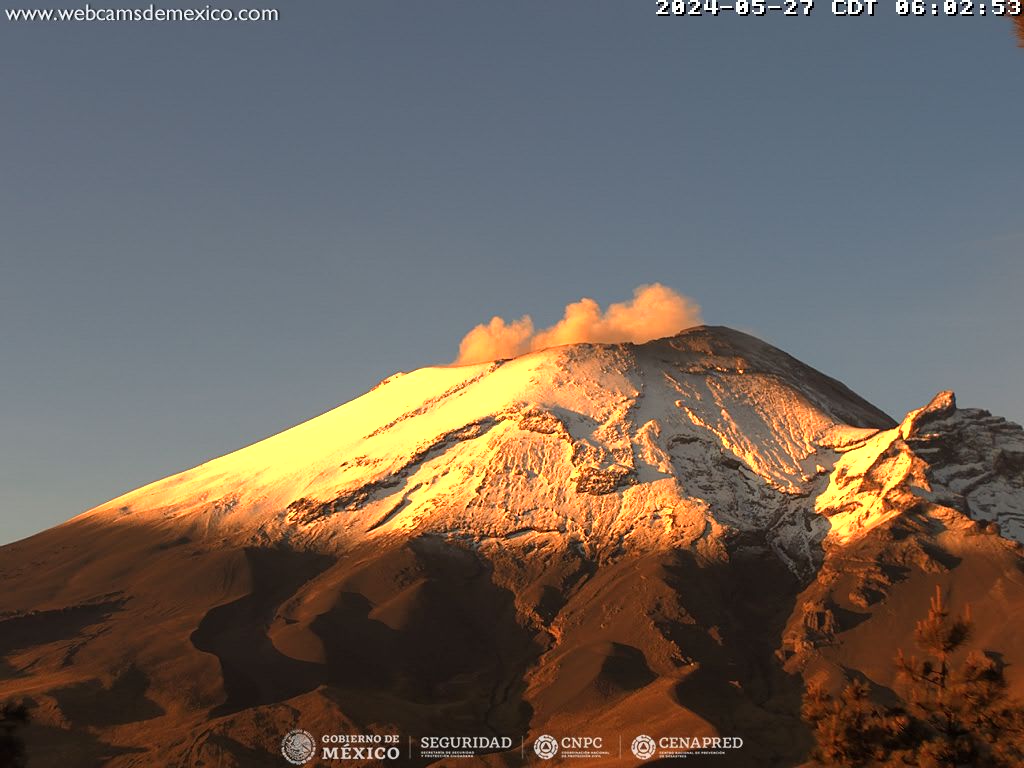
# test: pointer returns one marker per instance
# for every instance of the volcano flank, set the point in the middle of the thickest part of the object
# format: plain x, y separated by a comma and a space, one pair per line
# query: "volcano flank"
668, 538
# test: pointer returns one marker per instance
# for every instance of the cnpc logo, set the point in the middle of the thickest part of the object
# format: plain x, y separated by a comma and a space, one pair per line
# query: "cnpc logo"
547, 747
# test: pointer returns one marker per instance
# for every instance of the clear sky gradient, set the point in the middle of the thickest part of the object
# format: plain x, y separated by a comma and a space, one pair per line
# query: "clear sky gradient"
211, 232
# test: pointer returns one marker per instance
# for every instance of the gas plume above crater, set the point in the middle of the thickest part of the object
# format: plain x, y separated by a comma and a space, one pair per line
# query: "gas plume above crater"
655, 311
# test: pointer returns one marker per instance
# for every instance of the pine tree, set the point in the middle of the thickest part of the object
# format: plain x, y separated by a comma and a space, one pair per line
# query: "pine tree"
954, 714
963, 713
934, 693
851, 730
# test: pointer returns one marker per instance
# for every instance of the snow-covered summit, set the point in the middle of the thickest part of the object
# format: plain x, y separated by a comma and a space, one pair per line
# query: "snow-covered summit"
675, 442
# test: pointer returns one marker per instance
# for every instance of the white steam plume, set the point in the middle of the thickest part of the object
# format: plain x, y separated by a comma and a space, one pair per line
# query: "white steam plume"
654, 312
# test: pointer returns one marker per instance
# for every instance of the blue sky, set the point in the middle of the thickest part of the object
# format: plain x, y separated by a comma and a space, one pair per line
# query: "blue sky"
212, 232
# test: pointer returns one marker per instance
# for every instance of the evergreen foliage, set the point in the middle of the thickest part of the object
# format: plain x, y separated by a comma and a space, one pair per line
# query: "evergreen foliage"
952, 715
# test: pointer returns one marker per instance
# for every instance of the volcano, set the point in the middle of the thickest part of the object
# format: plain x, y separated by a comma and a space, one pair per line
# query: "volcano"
586, 542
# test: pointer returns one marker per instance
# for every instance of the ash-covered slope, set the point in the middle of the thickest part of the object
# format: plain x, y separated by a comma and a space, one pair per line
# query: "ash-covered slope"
661, 538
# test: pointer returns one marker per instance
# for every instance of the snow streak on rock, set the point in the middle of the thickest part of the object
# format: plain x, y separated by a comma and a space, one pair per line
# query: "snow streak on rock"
967, 460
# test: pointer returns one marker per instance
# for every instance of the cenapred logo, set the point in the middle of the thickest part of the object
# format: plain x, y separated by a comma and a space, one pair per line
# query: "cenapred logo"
546, 747
643, 747
298, 746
